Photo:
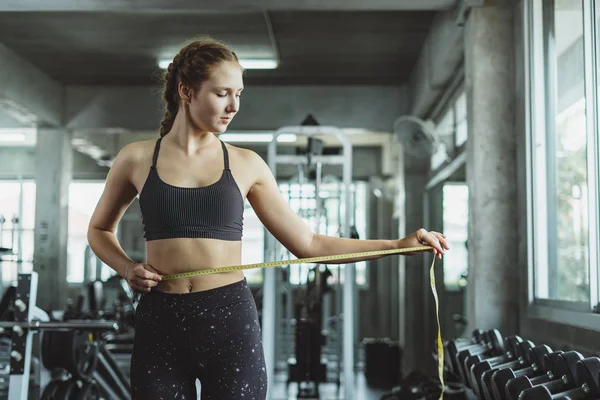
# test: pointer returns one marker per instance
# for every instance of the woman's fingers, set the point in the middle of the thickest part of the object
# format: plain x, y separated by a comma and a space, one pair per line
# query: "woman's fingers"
442, 239
145, 274
143, 280
433, 241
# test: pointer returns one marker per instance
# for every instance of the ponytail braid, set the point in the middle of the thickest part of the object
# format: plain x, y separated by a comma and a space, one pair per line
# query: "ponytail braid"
171, 99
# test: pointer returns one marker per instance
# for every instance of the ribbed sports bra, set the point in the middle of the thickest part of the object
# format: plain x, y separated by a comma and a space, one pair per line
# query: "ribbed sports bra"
214, 211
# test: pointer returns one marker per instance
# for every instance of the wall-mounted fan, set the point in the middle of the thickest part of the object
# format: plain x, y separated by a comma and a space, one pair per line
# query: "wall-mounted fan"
416, 136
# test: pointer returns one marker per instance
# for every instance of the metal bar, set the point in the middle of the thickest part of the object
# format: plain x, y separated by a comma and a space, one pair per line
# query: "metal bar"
269, 288
272, 37
349, 281
20, 356
104, 387
550, 59
98, 273
591, 113
20, 231
113, 364
448, 170
538, 154
529, 139
57, 326
293, 159
87, 268
111, 376
579, 306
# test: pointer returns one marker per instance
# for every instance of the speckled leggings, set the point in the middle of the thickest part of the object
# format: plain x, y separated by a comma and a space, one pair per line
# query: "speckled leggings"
212, 335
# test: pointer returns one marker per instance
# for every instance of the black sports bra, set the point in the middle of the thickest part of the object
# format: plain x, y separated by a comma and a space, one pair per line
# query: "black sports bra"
214, 211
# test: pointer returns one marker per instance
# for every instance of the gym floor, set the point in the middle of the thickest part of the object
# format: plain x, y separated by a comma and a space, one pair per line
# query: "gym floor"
327, 391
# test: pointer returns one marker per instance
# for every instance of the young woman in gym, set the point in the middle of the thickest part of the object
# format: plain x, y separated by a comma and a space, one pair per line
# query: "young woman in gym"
192, 189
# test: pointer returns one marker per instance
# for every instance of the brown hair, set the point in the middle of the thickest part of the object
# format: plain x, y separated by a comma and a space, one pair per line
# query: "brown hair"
191, 66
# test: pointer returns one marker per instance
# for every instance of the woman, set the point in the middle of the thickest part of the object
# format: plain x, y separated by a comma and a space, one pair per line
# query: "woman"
191, 190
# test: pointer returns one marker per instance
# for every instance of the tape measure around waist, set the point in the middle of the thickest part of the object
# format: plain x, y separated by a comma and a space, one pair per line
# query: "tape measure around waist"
321, 259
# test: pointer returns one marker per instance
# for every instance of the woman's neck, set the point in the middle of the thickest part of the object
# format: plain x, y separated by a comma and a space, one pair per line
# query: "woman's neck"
188, 138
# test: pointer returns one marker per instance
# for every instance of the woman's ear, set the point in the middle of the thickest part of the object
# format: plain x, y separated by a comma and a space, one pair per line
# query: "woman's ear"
185, 94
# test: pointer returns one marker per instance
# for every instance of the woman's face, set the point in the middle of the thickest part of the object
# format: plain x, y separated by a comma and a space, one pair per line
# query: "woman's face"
218, 100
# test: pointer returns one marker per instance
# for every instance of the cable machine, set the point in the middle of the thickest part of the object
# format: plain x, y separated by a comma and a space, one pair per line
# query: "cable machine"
306, 367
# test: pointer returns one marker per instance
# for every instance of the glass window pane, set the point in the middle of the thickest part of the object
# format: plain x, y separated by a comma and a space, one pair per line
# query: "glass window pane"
567, 274
252, 245
456, 222
16, 232
461, 134
83, 197
9, 210
445, 131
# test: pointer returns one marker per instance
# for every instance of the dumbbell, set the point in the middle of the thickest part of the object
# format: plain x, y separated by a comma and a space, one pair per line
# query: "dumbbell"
523, 360
493, 346
560, 376
480, 368
511, 344
455, 346
535, 368
515, 386
458, 343
585, 385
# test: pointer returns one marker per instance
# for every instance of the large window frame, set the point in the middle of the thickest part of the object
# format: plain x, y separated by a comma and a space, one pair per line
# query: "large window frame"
540, 118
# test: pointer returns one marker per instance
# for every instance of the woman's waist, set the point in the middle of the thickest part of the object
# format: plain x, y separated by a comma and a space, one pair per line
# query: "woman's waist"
184, 255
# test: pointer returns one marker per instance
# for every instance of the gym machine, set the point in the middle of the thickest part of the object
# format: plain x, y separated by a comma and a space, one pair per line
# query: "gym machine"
308, 368
75, 347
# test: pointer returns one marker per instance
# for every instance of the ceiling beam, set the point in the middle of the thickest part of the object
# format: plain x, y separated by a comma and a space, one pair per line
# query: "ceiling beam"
136, 6
28, 95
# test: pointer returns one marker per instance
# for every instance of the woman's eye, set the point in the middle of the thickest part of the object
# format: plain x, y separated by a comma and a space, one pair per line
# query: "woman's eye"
222, 94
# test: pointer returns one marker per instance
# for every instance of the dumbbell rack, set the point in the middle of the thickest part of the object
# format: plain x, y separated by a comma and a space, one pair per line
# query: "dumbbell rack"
493, 368
30, 319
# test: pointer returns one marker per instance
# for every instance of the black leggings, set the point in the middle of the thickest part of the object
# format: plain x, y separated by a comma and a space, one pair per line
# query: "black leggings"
212, 335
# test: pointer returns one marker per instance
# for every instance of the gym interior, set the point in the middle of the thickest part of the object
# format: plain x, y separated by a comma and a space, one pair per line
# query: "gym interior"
376, 118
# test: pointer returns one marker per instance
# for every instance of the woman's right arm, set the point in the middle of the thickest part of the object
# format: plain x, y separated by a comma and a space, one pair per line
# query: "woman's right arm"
119, 192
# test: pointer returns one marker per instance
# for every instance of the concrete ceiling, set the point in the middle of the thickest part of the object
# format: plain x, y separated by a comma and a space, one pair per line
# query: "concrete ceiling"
222, 5
118, 42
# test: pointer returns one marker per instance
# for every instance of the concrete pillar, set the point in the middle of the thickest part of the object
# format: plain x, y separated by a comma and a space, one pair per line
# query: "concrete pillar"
415, 281
53, 168
491, 175
385, 273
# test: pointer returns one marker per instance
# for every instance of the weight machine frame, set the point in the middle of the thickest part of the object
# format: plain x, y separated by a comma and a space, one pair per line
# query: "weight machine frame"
28, 320
270, 283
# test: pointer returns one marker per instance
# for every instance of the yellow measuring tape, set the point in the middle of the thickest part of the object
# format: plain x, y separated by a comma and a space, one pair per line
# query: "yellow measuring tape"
336, 257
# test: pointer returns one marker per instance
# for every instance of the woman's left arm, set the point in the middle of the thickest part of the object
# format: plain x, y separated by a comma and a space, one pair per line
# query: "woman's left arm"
293, 233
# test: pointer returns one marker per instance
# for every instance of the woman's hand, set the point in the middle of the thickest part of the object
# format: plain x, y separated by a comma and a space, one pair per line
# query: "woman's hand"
142, 277
424, 238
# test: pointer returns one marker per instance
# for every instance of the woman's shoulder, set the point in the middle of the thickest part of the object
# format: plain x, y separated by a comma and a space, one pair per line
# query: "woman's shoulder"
137, 152
242, 154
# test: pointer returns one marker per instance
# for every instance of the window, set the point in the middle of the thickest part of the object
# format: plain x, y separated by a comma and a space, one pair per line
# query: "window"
252, 245
302, 199
445, 132
456, 221
460, 108
83, 197
17, 223
451, 129
562, 161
